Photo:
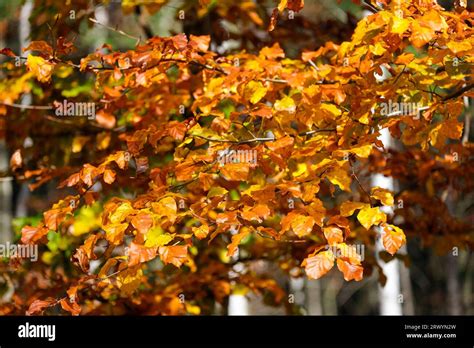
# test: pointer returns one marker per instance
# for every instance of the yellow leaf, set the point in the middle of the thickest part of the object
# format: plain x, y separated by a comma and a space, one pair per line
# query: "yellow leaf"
383, 195
254, 91
192, 309
201, 232
300, 170
371, 216
114, 232
63, 71
377, 49
41, 68
331, 108
121, 213
399, 25
78, 143
129, 280
339, 177
282, 5
348, 208
85, 221
285, 104
457, 47
350, 253
362, 151
157, 237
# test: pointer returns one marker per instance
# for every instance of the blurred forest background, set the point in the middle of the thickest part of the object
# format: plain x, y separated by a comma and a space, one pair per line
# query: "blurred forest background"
436, 282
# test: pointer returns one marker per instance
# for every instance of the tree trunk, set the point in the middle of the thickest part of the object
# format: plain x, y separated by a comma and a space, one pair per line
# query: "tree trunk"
390, 301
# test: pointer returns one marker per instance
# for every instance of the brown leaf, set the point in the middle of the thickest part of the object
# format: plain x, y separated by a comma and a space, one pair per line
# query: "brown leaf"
38, 306
7, 52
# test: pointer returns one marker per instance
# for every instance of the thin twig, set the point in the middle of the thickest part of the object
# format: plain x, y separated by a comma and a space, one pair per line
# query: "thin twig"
121, 32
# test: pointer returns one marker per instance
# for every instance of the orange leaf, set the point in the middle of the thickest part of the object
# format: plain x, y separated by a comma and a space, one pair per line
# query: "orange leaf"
109, 176
333, 235
138, 254
142, 222
236, 239
351, 272
393, 238
235, 171
105, 119
318, 265
176, 254
73, 307
30, 234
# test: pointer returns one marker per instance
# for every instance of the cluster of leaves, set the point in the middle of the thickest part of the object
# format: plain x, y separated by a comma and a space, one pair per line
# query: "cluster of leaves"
150, 205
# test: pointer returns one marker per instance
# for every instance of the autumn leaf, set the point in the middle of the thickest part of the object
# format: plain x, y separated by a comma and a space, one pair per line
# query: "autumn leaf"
258, 213
138, 254
71, 307
369, 217
109, 176
236, 239
41, 68
201, 232
286, 104
383, 195
142, 222
176, 254
157, 237
348, 208
235, 171
30, 234
38, 306
301, 224
393, 238
105, 119
166, 207
115, 232
128, 280
350, 271
7, 52
254, 91
333, 234
39, 46
318, 265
